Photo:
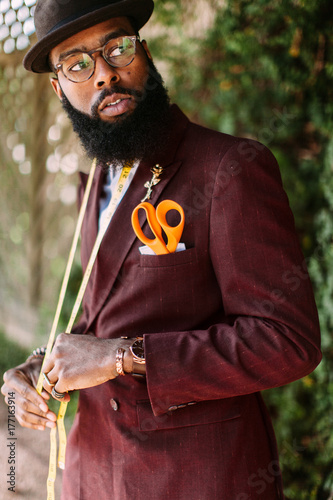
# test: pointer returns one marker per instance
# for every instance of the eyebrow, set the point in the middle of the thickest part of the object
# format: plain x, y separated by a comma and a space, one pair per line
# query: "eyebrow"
102, 41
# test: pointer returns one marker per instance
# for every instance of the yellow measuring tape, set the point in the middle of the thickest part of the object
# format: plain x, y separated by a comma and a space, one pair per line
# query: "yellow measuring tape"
63, 406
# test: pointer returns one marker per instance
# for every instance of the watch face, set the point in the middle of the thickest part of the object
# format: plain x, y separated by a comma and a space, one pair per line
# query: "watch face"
137, 349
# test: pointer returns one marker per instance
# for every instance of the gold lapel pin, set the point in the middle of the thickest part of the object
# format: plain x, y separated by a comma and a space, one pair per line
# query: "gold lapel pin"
156, 171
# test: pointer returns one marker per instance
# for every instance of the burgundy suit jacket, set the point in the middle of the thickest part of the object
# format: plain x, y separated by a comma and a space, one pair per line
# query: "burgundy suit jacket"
230, 316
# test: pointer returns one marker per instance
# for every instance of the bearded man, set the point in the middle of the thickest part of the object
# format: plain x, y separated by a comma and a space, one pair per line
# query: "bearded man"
172, 350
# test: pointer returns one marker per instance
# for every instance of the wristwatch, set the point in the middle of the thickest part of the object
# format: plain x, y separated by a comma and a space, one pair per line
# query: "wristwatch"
138, 354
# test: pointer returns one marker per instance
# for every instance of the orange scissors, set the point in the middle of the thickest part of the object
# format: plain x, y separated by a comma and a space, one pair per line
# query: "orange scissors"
157, 221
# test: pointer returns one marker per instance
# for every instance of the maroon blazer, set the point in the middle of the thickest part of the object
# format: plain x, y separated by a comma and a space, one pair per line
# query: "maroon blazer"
230, 316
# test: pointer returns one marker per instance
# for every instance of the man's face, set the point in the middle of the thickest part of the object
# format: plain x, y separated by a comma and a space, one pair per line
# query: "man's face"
88, 97
119, 114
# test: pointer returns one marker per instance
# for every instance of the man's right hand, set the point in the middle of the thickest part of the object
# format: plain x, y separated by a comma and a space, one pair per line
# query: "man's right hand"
31, 409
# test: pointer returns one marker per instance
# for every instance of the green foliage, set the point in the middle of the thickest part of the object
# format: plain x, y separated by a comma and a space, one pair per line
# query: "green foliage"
264, 69
261, 70
11, 354
302, 415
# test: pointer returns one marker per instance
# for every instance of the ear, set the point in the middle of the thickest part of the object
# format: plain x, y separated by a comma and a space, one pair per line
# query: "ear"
56, 87
145, 47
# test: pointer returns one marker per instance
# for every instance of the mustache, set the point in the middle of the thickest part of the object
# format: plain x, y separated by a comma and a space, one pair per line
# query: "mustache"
108, 92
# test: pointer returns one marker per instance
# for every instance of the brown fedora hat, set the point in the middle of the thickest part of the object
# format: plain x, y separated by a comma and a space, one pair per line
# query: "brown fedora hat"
57, 20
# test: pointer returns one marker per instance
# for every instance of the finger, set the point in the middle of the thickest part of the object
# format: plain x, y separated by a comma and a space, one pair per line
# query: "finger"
25, 406
32, 421
21, 387
45, 395
64, 398
48, 364
48, 382
30, 415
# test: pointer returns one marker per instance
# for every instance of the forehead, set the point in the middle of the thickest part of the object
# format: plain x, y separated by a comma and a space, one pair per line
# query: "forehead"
90, 38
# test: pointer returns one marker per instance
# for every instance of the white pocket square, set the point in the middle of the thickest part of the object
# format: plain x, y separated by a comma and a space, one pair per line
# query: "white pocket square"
148, 251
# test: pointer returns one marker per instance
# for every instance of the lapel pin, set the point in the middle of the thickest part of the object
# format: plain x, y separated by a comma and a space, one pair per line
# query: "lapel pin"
156, 171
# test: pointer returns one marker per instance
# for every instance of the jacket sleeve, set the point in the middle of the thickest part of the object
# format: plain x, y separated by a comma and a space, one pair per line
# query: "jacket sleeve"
270, 335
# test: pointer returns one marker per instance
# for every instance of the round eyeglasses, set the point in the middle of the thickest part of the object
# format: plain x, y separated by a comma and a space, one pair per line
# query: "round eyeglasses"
80, 66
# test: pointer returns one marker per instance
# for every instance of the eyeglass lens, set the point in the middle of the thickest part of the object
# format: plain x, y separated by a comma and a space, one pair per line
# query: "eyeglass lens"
118, 52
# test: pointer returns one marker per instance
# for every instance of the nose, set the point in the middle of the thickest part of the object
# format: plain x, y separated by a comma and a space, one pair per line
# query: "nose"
104, 73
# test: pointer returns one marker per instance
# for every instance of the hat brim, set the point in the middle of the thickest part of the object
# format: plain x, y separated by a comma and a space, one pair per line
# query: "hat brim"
37, 58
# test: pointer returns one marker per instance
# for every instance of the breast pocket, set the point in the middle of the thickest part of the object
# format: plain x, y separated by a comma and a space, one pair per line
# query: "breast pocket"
178, 290
172, 259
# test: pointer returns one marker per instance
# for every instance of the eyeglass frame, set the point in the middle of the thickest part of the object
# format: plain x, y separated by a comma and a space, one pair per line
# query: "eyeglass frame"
134, 39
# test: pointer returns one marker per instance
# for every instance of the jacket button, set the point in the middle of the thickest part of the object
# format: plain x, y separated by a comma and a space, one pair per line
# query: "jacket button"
114, 405
173, 408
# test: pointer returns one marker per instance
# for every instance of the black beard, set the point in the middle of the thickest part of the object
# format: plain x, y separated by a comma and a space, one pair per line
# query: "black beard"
140, 135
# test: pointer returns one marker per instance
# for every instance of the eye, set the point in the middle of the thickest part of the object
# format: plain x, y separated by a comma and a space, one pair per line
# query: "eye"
78, 62
79, 66
119, 47
116, 50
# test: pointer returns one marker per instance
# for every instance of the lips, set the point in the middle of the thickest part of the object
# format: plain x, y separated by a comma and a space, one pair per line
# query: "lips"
116, 105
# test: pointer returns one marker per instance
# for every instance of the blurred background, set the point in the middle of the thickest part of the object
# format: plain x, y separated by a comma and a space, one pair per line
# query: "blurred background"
255, 68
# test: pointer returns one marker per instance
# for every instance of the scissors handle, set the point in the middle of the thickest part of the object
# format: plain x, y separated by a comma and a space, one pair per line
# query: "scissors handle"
157, 221
174, 233
157, 245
